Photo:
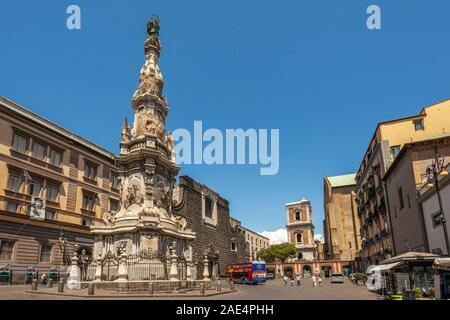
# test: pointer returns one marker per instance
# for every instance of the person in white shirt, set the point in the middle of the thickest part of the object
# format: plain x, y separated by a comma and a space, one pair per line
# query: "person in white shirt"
314, 280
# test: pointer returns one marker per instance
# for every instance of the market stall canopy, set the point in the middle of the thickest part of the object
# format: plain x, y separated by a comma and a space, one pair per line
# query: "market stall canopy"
383, 267
410, 256
442, 263
389, 266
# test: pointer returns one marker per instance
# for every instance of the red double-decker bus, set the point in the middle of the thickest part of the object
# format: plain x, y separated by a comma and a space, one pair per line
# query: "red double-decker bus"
248, 272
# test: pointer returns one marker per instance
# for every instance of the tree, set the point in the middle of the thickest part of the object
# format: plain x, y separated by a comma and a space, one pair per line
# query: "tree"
281, 251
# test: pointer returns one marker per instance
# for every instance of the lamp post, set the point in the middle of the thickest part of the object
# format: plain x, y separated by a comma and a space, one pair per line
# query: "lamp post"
436, 169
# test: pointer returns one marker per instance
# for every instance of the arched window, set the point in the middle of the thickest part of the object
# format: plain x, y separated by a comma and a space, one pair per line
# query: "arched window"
297, 215
299, 237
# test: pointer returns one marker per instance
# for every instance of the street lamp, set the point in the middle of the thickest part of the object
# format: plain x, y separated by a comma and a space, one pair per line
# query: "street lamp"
436, 169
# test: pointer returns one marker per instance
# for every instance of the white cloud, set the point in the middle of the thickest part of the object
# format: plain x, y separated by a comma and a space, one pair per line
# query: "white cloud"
277, 236
319, 237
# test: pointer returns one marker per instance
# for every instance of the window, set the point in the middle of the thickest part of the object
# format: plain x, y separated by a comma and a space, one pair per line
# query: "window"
50, 214
113, 205
52, 192
90, 170
14, 182
86, 221
20, 143
208, 207
394, 151
11, 206
299, 238
297, 215
233, 246
34, 188
6, 249
88, 201
400, 198
55, 157
46, 253
418, 125
114, 181
38, 151
436, 219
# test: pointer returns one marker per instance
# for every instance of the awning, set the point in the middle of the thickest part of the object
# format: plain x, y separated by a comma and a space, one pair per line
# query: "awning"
389, 266
442, 263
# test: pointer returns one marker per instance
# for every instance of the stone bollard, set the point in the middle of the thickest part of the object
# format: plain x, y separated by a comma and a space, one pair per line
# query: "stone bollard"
151, 288
219, 286
61, 286
231, 285
91, 289
34, 284
202, 288
50, 283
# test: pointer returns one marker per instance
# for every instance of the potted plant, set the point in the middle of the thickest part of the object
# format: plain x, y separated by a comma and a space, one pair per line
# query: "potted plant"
358, 277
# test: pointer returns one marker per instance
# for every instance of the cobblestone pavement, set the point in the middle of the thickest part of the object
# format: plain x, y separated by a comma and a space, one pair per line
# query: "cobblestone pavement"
274, 289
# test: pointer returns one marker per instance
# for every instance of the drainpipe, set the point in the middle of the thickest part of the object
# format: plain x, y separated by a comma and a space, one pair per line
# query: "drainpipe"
388, 209
424, 231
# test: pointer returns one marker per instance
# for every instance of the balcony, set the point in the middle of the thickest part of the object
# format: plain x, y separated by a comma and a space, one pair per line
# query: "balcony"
371, 193
382, 206
360, 210
380, 188
375, 213
90, 181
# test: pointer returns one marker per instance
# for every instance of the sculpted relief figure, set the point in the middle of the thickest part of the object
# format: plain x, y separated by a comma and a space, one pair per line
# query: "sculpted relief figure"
133, 195
181, 222
109, 218
169, 142
121, 248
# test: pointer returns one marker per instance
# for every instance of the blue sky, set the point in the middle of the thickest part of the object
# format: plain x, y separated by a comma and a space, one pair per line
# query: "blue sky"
310, 68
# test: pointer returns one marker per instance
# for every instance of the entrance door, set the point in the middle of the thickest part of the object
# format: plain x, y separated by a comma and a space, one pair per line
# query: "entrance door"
326, 270
306, 271
346, 270
288, 271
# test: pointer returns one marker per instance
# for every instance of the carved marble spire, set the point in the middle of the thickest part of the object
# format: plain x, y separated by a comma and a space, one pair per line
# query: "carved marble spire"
149, 105
125, 132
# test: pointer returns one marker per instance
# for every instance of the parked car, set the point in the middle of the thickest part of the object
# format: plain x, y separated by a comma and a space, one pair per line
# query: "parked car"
337, 278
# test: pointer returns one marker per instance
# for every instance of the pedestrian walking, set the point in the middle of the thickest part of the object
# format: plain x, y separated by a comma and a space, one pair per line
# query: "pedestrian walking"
320, 280
44, 279
292, 280
299, 277
314, 280
285, 279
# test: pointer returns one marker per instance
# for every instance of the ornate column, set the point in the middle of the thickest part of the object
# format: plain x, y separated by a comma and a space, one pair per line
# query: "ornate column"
73, 282
173, 275
188, 257
98, 269
206, 269
122, 272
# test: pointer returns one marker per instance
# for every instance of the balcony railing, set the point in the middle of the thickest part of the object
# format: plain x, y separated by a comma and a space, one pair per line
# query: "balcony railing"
52, 212
371, 193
